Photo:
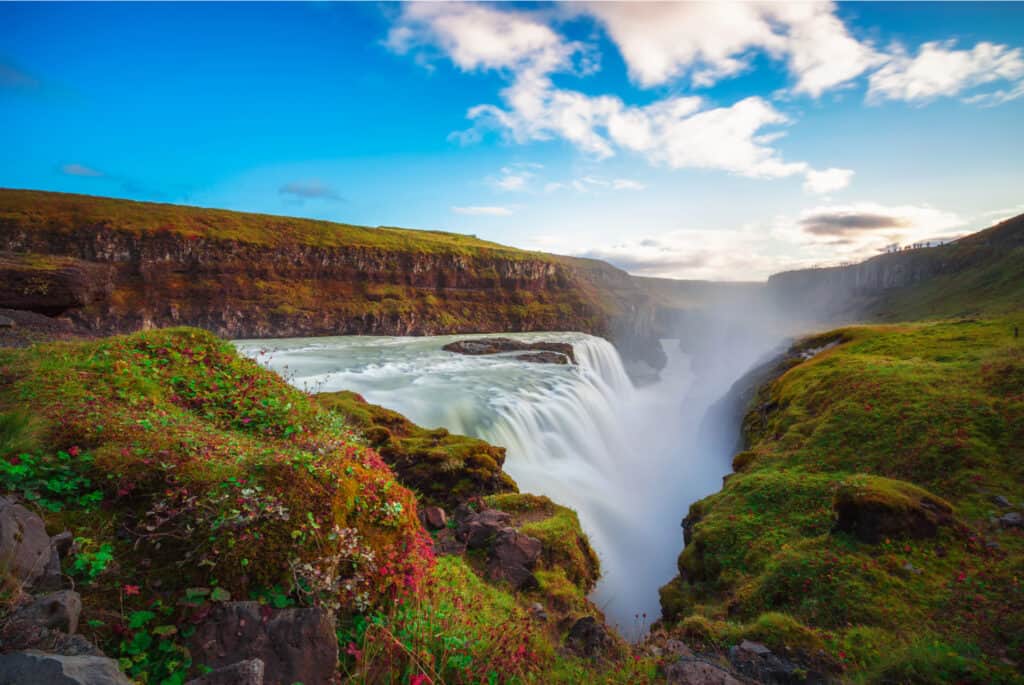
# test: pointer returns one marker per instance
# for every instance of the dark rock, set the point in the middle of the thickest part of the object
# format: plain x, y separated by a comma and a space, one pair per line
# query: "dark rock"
24, 544
1011, 520
6, 322
889, 509
543, 358
62, 542
37, 668
51, 577
248, 672
479, 529
756, 661
484, 346
588, 637
518, 576
515, 548
434, 518
538, 611
447, 543
677, 648
1001, 501
695, 671
295, 645
58, 611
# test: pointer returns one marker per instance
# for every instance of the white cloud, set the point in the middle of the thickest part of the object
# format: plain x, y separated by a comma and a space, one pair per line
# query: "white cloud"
627, 184
708, 41
80, 170
483, 211
514, 178
678, 132
940, 70
827, 181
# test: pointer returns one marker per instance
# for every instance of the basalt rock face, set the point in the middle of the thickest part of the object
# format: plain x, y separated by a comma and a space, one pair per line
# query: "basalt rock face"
253, 276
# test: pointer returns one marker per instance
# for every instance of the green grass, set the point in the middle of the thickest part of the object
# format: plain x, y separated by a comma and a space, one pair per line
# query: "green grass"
63, 212
894, 416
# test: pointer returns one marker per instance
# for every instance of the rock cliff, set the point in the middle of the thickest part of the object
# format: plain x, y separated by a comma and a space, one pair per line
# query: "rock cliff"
114, 266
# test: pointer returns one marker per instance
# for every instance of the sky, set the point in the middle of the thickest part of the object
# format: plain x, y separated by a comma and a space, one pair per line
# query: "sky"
684, 140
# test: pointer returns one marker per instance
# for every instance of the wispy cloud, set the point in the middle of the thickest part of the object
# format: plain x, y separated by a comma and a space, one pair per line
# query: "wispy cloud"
80, 170
310, 190
477, 210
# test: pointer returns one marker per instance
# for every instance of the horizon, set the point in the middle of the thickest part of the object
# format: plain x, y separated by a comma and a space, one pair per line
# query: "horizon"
797, 139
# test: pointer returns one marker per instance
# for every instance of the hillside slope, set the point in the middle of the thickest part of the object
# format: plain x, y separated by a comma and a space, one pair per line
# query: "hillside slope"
111, 266
872, 528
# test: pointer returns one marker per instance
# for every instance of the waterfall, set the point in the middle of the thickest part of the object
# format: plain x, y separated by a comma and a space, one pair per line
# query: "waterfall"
580, 434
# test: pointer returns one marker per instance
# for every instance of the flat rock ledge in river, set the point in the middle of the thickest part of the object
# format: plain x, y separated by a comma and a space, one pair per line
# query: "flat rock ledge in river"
539, 352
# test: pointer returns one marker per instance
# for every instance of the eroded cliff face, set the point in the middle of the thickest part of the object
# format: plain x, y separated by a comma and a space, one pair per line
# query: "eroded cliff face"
108, 280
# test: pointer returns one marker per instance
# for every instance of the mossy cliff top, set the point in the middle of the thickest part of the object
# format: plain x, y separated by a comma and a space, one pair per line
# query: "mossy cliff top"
869, 528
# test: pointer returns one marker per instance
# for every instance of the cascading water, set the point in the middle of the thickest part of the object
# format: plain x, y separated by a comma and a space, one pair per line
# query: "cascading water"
581, 434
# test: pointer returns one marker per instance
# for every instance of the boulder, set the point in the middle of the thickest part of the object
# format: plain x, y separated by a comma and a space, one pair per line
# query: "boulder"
588, 637
754, 660
482, 346
516, 575
1001, 501
880, 508
248, 672
515, 548
38, 668
295, 645
434, 518
477, 530
543, 358
1011, 520
24, 545
448, 544
57, 611
6, 322
695, 671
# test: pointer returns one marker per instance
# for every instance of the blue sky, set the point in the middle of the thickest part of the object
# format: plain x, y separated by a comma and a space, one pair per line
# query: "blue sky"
694, 141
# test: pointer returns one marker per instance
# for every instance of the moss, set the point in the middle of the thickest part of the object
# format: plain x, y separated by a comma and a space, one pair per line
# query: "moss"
443, 469
859, 516
209, 470
558, 528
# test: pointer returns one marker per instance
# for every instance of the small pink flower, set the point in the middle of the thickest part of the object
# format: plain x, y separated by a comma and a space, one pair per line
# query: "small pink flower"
131, 590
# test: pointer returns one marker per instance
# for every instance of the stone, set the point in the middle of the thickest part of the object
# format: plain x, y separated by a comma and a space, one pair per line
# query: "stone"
295, 645
1001, 501
1011, 520
516, 575
543, 358
448, 544
248, 672
24, 544
62, 542
434, 518
57, 611
538, 611
6, 322
677, 648
482, 346
513, 547
694, 671
754, 660
38, 668
479, 529
588, 637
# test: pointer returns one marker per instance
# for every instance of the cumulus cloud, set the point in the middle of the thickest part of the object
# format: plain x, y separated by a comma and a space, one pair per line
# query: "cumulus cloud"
309, 190
515, 177
827, 180
483, 211
80, 170
941, 70
709, 41
677, 132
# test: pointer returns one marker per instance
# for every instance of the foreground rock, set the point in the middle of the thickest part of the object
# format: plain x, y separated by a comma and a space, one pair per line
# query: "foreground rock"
25, 549
248, 672
484, 346
879, 508
295, 645
35, 668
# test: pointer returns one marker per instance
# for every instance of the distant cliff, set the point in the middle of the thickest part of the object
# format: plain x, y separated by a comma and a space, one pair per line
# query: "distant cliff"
113, 266
980, 273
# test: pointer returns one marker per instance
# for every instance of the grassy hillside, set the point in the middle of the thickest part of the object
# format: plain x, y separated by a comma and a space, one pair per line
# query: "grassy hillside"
861, 532
34, 210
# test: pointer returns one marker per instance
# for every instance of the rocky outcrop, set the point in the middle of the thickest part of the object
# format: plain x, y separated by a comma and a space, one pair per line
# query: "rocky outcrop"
562, 352
37, 668
25, 549
111, 266
875, 508
295, 645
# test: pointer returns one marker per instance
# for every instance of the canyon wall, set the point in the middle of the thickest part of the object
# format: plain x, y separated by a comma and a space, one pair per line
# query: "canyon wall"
109, 266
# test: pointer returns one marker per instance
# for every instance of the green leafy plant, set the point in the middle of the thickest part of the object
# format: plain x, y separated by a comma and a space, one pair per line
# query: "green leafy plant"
53, 481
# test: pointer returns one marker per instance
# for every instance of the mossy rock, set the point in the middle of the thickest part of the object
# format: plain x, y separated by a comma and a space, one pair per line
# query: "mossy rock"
875, 508
443, 469
565, 545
